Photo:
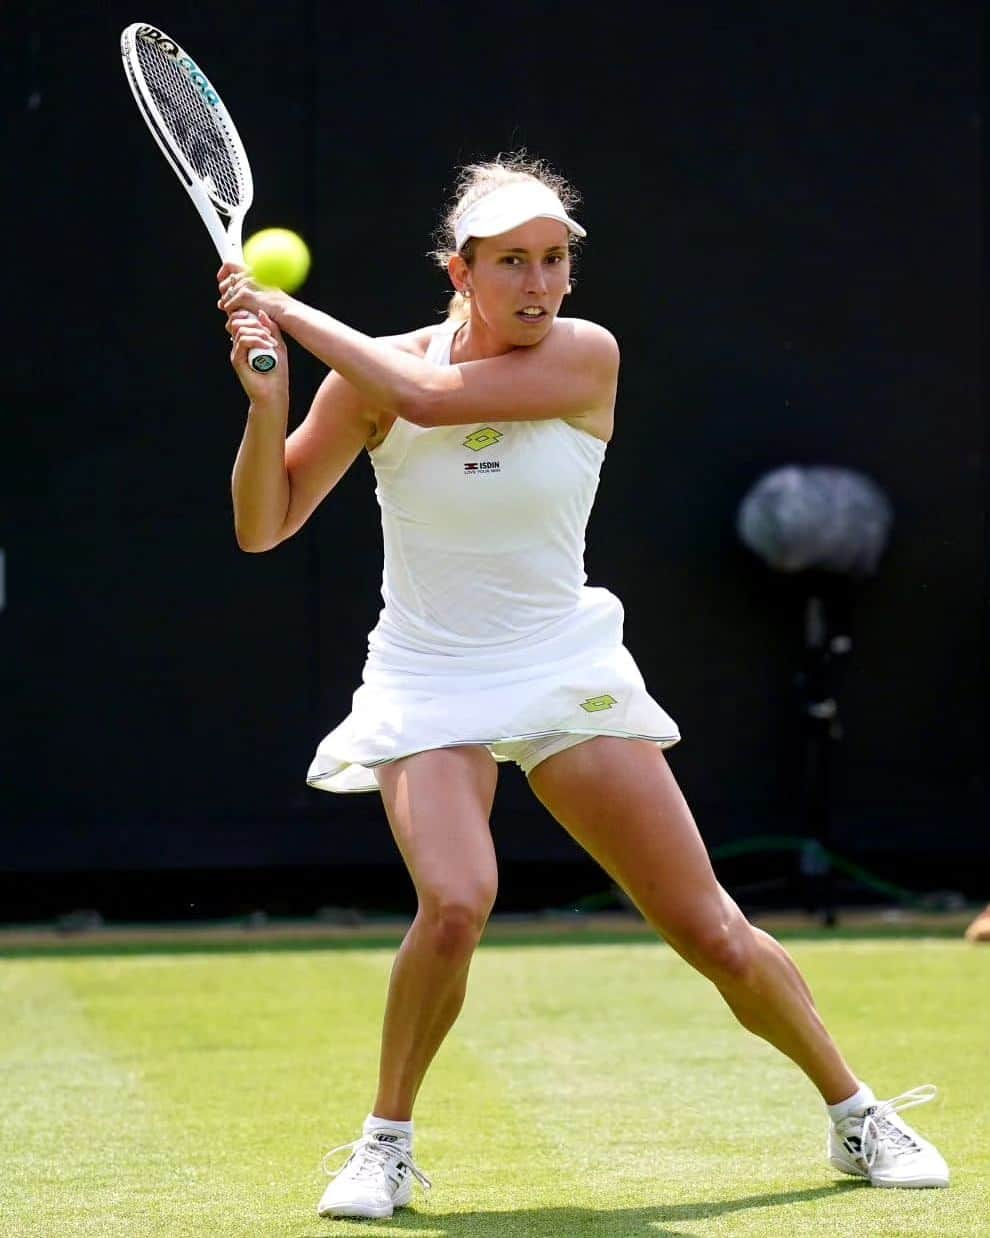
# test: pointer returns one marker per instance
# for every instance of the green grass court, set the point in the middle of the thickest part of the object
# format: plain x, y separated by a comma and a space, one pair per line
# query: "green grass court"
594, 1086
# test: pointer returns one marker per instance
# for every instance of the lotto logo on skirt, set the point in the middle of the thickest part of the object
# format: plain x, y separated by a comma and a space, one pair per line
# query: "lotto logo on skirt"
595, 703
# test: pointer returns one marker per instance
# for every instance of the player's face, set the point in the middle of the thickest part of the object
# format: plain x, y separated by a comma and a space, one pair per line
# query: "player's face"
519, 279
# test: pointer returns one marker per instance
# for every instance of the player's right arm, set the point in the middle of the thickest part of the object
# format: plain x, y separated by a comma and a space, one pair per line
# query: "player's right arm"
279, 482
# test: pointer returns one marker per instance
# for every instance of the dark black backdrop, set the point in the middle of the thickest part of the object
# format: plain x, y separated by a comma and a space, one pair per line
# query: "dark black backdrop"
784, 228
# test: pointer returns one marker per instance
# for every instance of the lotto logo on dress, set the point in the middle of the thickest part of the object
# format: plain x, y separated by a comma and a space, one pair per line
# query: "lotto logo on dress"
481, 439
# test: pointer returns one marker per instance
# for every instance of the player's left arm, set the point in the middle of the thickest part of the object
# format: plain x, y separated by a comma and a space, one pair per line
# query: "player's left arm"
571, 374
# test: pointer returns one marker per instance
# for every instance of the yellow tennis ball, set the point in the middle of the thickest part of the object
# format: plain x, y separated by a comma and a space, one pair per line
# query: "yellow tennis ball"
278, 258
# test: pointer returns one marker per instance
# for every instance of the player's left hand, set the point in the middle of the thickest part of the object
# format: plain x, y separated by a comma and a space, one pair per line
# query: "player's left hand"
239, 291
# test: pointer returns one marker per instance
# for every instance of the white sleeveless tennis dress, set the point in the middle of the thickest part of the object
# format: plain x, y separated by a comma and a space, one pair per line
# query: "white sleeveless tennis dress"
489, 634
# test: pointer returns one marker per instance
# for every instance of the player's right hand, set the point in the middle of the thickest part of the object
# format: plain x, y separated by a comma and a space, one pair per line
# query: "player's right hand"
247, 332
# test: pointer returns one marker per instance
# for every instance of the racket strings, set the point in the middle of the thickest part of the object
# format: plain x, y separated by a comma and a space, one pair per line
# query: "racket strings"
192, 124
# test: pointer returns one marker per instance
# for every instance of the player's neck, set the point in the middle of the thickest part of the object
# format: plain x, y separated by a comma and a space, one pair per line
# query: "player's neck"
473, 341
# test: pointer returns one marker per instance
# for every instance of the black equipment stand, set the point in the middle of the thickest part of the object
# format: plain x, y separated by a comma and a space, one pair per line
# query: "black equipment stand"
827, 643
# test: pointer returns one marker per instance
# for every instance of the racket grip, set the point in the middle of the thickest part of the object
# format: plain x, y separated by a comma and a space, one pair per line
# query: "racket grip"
262, 360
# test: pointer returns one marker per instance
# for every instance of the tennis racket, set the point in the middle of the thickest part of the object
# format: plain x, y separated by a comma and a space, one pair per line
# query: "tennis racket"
194, 130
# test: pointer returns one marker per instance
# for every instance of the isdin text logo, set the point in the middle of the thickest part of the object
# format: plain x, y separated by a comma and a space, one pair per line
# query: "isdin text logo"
480, 439
594, 703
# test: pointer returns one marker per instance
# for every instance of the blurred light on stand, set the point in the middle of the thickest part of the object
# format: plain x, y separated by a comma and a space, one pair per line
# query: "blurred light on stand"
827, 527
827, 519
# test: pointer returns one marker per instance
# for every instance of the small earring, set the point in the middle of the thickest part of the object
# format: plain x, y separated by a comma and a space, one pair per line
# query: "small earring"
466, 293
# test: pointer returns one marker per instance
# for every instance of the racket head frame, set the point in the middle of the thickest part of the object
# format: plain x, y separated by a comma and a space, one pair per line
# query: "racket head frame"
209, 205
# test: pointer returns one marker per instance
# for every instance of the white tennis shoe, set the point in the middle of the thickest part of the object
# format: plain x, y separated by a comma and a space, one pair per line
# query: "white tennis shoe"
878, 1145
375, 1179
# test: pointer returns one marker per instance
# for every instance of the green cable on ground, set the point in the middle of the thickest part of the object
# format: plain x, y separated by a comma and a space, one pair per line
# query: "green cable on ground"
780, 842
785, 842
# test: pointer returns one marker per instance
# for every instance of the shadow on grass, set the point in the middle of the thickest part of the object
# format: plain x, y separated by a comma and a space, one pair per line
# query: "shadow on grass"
582, 1222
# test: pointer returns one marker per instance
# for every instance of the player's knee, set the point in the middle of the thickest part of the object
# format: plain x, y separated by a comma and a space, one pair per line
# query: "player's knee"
455, 920
721, 950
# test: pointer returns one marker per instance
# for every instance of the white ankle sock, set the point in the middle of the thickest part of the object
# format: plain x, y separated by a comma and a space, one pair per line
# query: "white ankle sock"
373, 1123
861, 1099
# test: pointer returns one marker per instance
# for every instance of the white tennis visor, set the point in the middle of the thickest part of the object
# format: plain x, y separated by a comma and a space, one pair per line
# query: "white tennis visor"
509, 206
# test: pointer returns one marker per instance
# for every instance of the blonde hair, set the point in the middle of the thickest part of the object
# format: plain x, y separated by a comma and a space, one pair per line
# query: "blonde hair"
473, 182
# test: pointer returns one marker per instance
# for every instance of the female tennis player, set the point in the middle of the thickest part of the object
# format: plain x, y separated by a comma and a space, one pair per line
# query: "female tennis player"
487, 434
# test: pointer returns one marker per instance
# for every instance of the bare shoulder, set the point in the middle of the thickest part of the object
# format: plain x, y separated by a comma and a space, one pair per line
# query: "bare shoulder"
594, 349
589, 332
596, 343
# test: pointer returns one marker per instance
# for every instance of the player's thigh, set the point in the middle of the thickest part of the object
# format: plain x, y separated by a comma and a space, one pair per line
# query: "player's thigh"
438, 805
620, 801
